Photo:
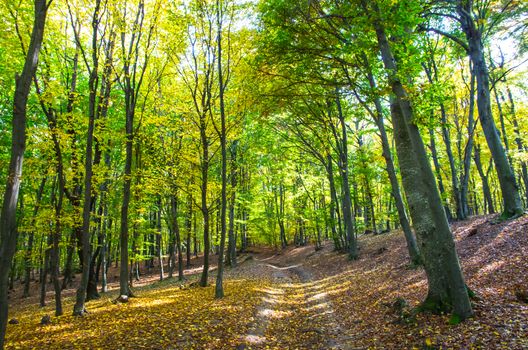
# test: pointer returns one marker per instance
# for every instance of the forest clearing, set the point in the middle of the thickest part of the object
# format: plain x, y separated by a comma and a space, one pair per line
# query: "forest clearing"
300, 298
263, 174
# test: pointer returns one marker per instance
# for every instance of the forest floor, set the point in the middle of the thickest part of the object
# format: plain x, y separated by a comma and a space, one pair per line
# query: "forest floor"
303, 299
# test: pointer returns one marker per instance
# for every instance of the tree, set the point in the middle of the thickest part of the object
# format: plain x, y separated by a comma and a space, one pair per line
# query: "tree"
447, 288
8, 226
472, 17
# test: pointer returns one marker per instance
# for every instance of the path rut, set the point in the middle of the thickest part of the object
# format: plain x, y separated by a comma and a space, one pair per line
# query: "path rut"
296, 312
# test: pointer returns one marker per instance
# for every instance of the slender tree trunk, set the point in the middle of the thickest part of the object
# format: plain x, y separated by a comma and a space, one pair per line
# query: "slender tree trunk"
219, 288
468, 151
56, 235
484, 179
510, 191
8, 222
31, 239
44, 271
520, 145
204, 207
231, 247
79, 307
438, 173
177, 235
503, 132
188, 229
446, 136
158, 240
347, 204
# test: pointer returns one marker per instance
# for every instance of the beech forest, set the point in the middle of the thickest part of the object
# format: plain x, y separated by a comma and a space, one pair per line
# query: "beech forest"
264, 174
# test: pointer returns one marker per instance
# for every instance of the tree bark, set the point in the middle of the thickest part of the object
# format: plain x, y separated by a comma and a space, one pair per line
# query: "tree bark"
219, 288
484, 179
177, 236
8, 222
347, 203
79, 307
510, 191
231, 247
447, 288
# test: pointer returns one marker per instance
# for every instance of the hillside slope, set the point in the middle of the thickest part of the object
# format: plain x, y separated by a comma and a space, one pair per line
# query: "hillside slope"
303, 299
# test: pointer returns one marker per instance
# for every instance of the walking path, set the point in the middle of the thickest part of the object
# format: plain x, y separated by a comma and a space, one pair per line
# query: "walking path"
296, 311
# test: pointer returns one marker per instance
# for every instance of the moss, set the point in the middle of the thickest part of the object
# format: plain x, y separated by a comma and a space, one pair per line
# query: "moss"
434, 305
455, 319
471, 293
505, 216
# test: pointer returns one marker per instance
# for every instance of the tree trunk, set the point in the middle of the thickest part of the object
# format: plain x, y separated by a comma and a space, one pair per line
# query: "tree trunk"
520, 146
484, 179
44, 271
158, 240
188, 229
219, 288
31, 239
8, 222
510, 192
79, 307
412, 247
204, 207
468, 151
177, 236
447, 288
347, 204
231, 247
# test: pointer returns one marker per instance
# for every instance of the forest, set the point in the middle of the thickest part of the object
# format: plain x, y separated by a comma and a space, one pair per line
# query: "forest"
267, 174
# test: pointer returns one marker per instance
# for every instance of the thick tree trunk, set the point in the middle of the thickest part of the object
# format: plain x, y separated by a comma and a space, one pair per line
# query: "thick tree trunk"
447, 288
8, 222
412, 247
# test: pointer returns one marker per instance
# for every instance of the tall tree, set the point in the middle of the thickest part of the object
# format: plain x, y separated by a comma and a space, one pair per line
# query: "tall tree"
447, 288
8, 221
477, 19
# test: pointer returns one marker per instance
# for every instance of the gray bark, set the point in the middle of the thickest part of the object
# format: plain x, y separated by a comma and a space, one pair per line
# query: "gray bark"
447, 288
510, 191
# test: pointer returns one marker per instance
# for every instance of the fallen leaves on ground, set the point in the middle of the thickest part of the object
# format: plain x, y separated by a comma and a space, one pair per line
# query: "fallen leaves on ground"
163, 316
301, 299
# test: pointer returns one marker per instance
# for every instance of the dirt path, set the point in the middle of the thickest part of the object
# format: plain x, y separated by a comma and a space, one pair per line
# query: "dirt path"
296, 311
